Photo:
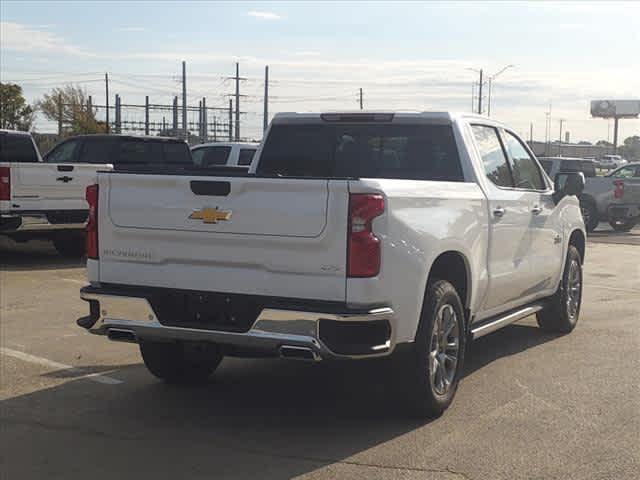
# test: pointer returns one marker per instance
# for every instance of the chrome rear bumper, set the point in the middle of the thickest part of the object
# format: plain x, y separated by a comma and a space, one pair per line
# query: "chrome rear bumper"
272, 330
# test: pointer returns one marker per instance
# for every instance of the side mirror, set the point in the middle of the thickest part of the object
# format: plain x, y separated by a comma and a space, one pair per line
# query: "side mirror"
568, 183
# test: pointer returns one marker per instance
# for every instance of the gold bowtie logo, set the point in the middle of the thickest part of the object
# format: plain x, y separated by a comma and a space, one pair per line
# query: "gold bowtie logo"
210, 215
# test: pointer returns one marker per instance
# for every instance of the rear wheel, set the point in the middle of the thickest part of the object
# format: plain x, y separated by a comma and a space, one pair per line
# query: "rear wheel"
431, 369
622, 225
562, 312
70, 245
180, 362
589, 215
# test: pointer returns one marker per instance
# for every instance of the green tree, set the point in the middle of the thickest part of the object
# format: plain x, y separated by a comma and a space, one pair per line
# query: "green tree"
72, 104
15, 112
604, 143
631, 148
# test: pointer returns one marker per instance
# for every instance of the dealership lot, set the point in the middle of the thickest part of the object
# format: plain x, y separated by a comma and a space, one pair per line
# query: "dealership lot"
531, 405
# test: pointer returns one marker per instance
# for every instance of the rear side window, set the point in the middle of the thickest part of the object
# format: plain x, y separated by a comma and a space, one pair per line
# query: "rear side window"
133, 151
584, 166
418, 152
97, 150
525, 170
547, 165
207, 156
246, 156
493, 156
17, 148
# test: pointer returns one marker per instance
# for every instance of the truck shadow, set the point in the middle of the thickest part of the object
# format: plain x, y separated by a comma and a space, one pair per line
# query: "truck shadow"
33, 255
254, 419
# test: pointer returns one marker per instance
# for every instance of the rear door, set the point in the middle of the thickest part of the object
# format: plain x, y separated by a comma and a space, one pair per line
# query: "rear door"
510, 238
262, 236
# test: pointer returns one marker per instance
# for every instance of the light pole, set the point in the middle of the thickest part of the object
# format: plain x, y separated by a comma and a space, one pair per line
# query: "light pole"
480, 82
491, 78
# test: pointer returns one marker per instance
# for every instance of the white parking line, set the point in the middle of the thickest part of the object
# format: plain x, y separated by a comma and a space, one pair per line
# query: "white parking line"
80, 373
76, 281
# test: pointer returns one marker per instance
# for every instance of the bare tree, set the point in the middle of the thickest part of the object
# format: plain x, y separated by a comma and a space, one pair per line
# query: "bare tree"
70, 106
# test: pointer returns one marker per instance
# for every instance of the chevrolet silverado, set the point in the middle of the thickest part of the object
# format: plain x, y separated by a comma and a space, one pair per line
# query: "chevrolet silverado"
353, 236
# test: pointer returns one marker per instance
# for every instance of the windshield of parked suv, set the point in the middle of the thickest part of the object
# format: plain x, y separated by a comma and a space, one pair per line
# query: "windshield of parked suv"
419, 152
17, 148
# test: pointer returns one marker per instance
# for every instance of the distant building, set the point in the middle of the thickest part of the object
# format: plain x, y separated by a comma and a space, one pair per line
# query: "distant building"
555, 149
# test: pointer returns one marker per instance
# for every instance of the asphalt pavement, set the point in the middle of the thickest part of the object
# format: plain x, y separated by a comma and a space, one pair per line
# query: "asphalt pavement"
531, 405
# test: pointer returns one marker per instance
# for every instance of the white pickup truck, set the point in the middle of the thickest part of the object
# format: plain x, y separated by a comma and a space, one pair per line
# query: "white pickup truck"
353, 236
45, 198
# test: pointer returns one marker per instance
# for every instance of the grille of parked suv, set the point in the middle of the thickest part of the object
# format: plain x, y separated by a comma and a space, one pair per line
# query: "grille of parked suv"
67, 216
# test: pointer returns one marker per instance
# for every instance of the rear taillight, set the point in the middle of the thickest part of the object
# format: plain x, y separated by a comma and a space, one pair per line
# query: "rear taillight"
5, 183
619, 190
91, 196
363, 247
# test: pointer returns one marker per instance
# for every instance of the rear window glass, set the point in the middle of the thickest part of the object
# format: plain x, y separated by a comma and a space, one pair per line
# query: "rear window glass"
418, 152
246, 156
133, 151
586, 167
17, 148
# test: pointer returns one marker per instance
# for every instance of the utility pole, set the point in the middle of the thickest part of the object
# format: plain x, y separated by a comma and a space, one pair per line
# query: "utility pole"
215, 128
106, 93
489, 99
615, 135
361, 98
237, 102
184, 101
205, 134
59, 116
90, 105
200, 120
480, 94
531, 133
560, 138
146, 115
265, 114
230, 120
118, 115
175, 115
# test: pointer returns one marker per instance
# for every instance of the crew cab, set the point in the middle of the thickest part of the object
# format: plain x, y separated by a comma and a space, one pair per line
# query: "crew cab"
45, 197
353, 236
612, 198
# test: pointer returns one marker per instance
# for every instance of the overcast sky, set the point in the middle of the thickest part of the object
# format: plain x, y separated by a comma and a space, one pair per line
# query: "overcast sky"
405, 56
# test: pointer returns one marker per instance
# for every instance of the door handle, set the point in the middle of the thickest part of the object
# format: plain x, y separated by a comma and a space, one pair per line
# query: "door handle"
536, 210
499, 212
65, 168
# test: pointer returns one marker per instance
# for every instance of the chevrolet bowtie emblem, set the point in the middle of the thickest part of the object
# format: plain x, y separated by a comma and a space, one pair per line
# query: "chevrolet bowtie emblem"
210, 215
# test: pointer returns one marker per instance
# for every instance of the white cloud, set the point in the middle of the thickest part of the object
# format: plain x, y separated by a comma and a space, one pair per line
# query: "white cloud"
264, 15
25, 38
132, 29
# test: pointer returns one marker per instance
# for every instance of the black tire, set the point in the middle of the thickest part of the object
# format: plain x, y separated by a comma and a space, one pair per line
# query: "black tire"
622, 226
589, 214
560, 315
418, 370
70, 245
180, 363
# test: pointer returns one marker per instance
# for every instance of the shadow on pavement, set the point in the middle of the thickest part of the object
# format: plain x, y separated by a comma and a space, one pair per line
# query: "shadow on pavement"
33, 255
254, 419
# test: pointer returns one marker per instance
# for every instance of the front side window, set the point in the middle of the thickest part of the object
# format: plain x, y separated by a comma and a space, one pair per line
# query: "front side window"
493, 157
64, 153
246, 156
96, 150
526, 173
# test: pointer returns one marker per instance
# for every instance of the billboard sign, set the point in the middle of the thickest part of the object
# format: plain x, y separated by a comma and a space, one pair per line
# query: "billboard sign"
615, 108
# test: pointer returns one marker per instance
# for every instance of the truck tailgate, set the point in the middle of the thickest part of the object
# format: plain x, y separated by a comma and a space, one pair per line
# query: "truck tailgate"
47, 181
263, 236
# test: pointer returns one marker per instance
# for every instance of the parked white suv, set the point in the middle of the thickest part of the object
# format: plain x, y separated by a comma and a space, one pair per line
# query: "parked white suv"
353, 236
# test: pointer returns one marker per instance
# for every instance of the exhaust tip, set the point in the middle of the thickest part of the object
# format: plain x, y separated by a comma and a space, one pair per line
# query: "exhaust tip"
299, 353
118, 335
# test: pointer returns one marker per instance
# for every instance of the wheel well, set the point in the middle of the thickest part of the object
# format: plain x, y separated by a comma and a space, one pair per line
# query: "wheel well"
452, 267
577, 240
